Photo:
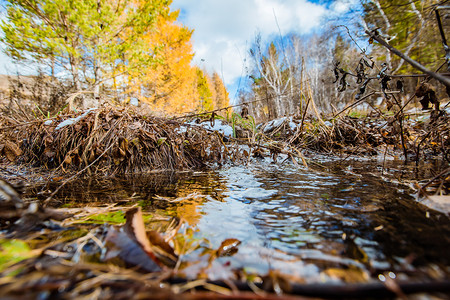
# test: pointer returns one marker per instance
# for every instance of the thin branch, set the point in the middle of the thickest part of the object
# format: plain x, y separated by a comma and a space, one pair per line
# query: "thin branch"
444, 80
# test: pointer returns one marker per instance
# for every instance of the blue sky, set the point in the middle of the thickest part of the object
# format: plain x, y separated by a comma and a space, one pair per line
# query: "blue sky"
225, 29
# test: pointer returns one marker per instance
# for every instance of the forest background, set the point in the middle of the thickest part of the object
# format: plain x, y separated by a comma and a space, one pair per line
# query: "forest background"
118, 50
125, 50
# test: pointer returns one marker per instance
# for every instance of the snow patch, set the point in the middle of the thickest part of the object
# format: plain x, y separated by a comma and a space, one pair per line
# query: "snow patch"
219, 126
72, 121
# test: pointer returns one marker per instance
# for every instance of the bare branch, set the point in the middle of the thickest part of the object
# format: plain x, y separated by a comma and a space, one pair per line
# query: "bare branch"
444, 80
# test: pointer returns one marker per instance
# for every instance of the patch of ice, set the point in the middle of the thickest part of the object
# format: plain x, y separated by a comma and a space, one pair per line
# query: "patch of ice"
181, 129
278, 122
292, 125
134, 101
48, 122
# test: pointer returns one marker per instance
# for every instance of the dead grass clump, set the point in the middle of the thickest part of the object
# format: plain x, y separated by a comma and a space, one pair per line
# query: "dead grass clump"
372, 136
110, 140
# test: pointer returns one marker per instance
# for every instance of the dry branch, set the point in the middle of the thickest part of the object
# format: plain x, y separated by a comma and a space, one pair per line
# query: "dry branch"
444, 80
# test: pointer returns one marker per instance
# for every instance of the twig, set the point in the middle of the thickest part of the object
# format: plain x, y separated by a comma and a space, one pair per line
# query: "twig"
400, 121
444, 80
216, 110
445, 172
354, 103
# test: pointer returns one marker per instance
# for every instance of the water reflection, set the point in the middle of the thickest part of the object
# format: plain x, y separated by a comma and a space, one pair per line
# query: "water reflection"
298, 221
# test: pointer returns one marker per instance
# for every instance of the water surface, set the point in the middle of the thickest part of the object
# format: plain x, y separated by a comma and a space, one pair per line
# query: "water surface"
294, 220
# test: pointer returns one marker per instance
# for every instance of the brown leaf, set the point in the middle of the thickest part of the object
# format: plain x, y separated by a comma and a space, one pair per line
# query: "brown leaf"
123, 145
351, 275
119, 244
135, 229
91, 157
68, 159
11, 151
49, 153
48, 140
228, 247
162, 249
276, 282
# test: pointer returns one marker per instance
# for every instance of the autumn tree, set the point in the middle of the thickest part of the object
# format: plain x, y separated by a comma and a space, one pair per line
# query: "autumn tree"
205, 93
222, 98
170, 84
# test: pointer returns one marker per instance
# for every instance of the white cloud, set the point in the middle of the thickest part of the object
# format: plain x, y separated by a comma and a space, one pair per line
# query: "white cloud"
224, 30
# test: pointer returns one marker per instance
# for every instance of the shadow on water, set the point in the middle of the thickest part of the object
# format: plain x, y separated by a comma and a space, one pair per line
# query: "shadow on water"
298, 221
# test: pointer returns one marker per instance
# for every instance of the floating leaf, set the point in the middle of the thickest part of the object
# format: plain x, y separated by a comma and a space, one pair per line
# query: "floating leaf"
228, 247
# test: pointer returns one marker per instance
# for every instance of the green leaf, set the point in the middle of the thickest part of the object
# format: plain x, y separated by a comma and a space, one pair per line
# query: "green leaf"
13, 251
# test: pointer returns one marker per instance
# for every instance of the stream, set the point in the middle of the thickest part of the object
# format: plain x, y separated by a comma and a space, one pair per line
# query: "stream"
306, 223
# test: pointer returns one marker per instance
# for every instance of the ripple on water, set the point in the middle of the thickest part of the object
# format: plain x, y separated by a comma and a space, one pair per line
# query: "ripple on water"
304, 215
294, 220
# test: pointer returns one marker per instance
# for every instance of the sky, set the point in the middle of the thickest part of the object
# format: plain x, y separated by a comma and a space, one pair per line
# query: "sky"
225, 29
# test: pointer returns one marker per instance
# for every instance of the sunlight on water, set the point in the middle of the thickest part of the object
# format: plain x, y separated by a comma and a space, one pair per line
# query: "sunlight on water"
295, 220
302, 222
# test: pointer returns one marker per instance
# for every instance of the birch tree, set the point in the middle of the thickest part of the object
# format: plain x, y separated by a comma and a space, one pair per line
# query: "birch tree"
272, 72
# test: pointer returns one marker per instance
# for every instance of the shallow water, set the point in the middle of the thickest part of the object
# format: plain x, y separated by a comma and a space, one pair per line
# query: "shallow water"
295, 220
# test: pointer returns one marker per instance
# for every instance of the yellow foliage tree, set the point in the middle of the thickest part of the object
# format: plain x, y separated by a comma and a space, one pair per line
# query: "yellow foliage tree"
172, 85
169, 85
221, 97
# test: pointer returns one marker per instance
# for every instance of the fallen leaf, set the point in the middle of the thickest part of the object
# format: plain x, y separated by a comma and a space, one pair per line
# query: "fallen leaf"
228, 247
163, 251
351, 275
135, 229
119, 244
440, 203
11, 151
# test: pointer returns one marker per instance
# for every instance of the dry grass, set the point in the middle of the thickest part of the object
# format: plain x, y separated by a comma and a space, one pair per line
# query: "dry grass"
110, 140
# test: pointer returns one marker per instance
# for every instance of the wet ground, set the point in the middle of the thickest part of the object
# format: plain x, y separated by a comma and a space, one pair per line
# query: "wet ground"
320, 224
